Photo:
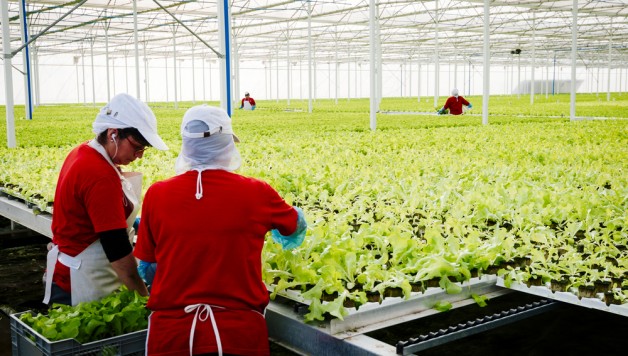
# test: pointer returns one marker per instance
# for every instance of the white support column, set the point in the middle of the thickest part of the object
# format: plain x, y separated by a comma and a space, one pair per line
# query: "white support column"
519, 88
597, 82
83, 76
532, 81
126, 71
288, 66
336, 73
166, 77
146, 71
487, 63
179, 80
373, 66
574, 49
436, 57
355, 79
547, 67
237, 93
401, 80
378, 54
8, 75
418, 84
456, 75
512, 71
78, 87
329, 79
610, 62
106, 26
36, 75
93, 76
193, 77
277, 71
348, 74
309, 57
137, 51
409, 69
265, 80
174, 57
203, 76
113, 74
209, 62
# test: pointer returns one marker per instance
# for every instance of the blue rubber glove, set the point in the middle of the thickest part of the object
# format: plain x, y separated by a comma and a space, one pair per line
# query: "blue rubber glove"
296, 239
252, 107
147, 271
136, 224
470, 106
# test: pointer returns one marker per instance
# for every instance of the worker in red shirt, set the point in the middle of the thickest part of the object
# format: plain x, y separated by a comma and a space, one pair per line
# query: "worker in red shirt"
247, 103
95, 206
454, 104
205, 229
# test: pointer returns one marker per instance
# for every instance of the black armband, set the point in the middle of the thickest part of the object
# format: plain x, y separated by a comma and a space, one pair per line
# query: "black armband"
115, 243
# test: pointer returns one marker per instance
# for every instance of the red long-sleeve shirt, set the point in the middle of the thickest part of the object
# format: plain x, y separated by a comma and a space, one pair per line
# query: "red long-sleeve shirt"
455, 104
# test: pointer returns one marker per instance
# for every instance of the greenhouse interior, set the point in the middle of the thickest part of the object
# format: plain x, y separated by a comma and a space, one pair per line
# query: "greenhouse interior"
499, 228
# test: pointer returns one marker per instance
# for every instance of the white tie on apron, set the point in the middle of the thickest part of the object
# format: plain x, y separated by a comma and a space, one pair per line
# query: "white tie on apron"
91, 274
202, 310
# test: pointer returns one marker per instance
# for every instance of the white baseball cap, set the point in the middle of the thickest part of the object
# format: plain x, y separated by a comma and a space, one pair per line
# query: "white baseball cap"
208, 142
126, 111
454, 92
215, 118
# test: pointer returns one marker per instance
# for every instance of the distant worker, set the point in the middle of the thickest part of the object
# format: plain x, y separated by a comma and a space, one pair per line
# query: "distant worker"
247, 102
454, 104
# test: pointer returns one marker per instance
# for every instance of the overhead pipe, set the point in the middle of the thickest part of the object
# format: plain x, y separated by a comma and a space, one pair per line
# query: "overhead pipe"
220, 55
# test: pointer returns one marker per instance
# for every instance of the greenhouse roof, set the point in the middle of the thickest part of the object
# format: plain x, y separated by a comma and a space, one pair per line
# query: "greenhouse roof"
339, 30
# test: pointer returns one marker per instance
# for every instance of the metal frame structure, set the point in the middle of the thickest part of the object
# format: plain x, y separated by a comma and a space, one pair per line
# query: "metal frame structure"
324, 31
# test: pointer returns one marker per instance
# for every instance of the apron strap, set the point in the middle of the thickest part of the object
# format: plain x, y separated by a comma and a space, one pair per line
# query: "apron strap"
51, 262
202, 311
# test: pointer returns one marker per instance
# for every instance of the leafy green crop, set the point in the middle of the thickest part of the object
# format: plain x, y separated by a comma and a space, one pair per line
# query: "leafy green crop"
119, 313
424, 201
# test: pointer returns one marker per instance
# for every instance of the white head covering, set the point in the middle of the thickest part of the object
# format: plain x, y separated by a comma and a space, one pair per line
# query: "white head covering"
125, 111
208, 143
454, 92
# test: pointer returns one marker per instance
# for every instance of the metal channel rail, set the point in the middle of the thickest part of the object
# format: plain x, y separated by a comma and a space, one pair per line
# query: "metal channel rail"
20, 212
286, 327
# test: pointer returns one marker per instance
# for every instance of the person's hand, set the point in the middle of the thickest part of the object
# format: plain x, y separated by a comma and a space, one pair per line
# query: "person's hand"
470, 106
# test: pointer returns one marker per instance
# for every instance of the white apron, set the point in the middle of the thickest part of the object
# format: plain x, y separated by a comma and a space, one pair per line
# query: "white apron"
91, 274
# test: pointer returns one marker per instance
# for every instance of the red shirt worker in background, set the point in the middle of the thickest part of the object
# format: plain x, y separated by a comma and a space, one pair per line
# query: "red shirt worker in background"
454, 104
247, 103
205, 229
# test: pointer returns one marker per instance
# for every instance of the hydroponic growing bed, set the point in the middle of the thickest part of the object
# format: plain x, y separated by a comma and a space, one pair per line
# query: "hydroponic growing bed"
423, 202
